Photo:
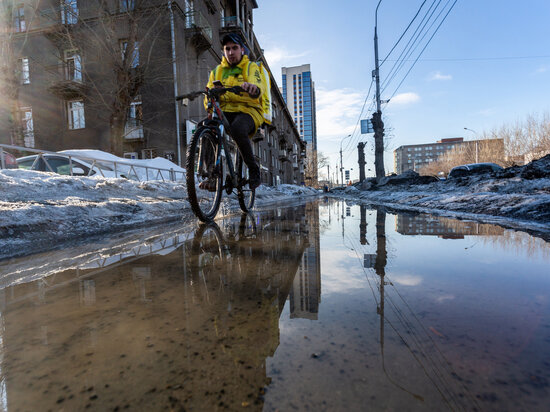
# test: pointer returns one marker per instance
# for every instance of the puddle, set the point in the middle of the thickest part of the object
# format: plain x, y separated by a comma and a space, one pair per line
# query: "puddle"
321, 306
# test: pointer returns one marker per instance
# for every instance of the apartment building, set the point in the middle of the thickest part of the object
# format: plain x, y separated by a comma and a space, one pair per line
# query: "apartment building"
103, 74
414, 157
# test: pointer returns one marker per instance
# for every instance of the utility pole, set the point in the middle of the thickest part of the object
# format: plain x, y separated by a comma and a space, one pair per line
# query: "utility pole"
341, 168
328, 175
377, 123
361, 150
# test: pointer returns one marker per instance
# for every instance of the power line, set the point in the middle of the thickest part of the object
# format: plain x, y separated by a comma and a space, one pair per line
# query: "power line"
403, 34
417, 32
462, 59
422, 51
420, 33
360, 115
355, 138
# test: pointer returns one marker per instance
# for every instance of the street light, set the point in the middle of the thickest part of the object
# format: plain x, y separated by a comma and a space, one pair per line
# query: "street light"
341, 165
475, 134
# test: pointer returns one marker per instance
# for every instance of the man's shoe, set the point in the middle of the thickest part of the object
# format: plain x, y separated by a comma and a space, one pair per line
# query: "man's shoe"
255, 179
208, 184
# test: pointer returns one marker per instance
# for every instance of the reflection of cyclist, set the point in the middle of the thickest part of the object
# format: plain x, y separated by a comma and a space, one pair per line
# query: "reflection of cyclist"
243, 111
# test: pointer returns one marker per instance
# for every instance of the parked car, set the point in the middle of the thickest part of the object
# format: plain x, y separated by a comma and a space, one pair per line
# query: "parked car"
62, 165
473, 168
10, 162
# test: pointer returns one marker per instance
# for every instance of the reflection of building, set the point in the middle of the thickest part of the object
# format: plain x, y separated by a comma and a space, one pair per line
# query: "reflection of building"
187, 327
434, 226
413, 157
305, 294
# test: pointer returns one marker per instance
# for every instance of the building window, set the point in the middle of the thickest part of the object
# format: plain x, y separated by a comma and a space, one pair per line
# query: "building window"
73, 66
27, 126
189, 14
134, 57
75, 114
19, 24
69, 11
134, 121
126, 5
24, 77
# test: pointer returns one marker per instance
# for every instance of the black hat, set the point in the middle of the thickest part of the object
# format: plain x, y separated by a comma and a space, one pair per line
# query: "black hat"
233, 38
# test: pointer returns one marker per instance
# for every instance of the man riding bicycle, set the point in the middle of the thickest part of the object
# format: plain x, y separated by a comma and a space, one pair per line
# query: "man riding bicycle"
244, 112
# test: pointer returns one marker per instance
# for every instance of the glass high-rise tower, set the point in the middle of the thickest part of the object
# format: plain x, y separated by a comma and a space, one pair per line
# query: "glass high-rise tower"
299, 95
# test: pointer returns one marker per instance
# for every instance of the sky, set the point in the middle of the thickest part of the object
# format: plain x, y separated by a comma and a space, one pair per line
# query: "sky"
488, 65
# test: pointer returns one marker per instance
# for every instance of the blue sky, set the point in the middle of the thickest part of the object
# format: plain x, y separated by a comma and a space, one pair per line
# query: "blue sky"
480, 71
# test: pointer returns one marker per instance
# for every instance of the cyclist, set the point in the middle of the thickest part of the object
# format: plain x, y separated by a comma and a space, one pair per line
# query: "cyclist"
244, 111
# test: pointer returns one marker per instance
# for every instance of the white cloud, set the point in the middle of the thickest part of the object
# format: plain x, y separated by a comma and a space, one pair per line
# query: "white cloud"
406, 280
440, 76
405, 98
337, 111
541, 69
487, 112
276, 55
443, 298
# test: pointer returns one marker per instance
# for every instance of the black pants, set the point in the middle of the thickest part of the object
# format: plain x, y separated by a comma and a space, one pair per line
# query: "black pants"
242, 126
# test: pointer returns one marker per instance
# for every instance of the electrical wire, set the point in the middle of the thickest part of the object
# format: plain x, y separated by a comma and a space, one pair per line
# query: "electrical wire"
359, 118
412, 40
422, 51
404, 32
465, 59
418, 36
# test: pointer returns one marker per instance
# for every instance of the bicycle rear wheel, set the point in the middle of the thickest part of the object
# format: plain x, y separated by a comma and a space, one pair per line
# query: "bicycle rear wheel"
245, 195
203, 177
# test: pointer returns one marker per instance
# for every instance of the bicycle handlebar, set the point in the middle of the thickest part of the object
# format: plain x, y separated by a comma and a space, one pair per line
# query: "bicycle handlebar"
215, 92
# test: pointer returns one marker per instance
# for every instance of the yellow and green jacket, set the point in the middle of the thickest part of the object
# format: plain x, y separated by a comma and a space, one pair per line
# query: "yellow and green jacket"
245, 71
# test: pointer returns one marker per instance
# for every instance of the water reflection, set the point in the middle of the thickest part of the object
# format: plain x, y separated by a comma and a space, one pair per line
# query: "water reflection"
455, 317
445, 228
189, 325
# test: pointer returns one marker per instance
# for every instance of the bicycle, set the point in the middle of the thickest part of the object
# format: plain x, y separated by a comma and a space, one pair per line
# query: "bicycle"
206, 153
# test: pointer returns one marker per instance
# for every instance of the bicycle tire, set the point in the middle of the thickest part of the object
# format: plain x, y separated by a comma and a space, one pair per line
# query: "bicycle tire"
245, 195
204, 203
208, 259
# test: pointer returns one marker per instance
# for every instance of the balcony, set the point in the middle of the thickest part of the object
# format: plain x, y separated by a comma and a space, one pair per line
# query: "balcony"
133, 129
232, 24
259, 136
70, 81
283, 157
198, 30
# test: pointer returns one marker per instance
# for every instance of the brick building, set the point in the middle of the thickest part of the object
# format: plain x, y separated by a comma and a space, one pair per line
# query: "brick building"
103, 74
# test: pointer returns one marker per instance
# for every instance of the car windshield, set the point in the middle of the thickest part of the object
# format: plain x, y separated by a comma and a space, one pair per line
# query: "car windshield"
25, 163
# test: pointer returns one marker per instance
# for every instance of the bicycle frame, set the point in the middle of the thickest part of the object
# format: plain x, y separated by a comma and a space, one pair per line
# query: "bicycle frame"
215, 113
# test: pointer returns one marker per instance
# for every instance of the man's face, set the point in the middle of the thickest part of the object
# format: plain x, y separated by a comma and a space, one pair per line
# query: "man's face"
233, 52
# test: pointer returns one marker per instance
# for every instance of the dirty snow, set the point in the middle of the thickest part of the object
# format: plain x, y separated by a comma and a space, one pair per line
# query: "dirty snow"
39, 210
517, 197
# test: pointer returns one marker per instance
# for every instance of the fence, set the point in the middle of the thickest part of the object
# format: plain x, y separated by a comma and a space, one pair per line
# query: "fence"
103, 167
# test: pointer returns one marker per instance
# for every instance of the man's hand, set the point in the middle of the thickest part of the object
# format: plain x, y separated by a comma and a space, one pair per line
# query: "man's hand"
251, 89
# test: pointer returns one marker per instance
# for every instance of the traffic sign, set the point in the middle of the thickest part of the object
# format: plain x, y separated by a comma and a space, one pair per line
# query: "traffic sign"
366, 126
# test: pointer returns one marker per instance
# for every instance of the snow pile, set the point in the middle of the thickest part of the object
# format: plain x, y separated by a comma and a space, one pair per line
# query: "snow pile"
39, 210
143, 169
517, 196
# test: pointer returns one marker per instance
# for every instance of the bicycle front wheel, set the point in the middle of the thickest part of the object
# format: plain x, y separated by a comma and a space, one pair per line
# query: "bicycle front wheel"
245, 195
203, 177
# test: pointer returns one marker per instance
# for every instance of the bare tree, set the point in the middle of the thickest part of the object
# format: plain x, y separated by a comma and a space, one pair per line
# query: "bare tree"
314, 162
485, 150
115, 44
524, 140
